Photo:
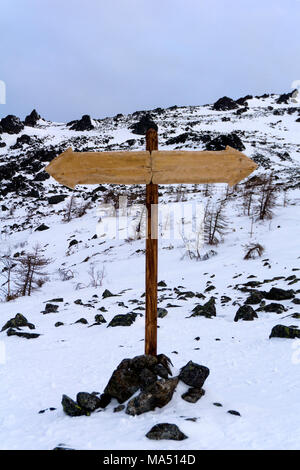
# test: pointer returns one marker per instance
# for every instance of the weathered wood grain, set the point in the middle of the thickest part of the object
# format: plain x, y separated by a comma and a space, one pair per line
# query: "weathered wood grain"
180, 166
72, 168
151, 255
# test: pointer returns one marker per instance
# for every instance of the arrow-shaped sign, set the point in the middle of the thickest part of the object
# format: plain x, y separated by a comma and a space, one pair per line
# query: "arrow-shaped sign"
151, 167
159, 167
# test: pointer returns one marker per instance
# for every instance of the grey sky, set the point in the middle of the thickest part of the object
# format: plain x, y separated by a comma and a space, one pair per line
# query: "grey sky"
101, 57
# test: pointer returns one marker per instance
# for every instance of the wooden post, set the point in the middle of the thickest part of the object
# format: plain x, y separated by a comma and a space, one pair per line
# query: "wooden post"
151, 255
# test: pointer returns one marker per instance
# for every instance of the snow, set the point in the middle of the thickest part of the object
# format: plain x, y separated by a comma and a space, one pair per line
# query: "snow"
249, 372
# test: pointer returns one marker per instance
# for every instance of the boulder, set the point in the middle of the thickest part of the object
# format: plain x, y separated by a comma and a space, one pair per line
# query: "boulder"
281, 331
32, 119
223, 140
18, 321
279, 294
21, 334
207, 310
50, 308
142, 126
56, 199
83, 124
88, 401
255, 297
41, 228
225, 104
123, 320
157, 395
193, 374
193, 395
99, 318
162, 312
166, 431
124, 382
246, 313
11, 124
274, 307
70, 407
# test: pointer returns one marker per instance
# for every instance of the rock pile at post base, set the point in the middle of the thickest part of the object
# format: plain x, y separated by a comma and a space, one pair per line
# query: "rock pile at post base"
143, 382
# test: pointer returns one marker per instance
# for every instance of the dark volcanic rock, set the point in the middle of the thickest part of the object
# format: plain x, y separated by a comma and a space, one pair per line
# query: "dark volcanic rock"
21, 334
273, 307
99, 318
70, 407
279, 294
87, 401
285, 97
124, 382
157, 395
166, 431
41, 228
207, 310
106, 294
123, 320
221, 142
246, 313
83, 124
57, 199
281, 331
243, 101
141, 127
193, 374
18, 321
32, 118
255, 297
225, 104
11, 124
193, 395
50, 308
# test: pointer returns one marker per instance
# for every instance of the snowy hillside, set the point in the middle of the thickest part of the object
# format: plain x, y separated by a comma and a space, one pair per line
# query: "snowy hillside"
85, 262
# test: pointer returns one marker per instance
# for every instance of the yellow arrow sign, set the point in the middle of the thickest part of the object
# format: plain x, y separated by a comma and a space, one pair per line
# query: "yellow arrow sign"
160, 167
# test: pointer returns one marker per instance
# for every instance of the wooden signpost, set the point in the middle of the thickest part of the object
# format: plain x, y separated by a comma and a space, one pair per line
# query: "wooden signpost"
151, 167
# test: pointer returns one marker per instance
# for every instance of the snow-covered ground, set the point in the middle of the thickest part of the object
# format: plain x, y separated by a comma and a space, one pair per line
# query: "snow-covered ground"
250, 373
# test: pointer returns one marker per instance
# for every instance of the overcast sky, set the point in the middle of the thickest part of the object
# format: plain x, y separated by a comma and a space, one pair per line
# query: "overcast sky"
102, 57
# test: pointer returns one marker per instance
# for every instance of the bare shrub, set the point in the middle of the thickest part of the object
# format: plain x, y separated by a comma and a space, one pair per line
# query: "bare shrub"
30, 271
253, 250
267, 199
96, 276
65, 274
8, 264
215, 223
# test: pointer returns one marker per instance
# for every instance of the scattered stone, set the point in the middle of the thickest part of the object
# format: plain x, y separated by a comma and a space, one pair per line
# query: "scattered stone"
59, 299
119, 408
21, 334
162, 284
162, 312
105, 400
255, 297
88, 401
58, 323
106, 294
296, 301
217, 404
73, 242
246, 313
62, 447
82, 320
207, 310
279, 294
99, 318
50, 308
41, 228
56, 199
281, 331
70, 407
166, 431
123, 320
274, 307
233, 412
193, 395
193, 374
